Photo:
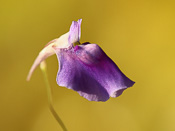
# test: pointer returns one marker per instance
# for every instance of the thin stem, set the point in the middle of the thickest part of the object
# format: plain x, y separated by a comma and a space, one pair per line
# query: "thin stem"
49, 94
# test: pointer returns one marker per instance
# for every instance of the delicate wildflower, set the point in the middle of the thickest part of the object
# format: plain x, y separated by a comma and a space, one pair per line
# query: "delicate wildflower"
85, 68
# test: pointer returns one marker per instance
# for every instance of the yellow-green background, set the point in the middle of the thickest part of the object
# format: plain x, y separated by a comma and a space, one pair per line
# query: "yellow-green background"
139, 35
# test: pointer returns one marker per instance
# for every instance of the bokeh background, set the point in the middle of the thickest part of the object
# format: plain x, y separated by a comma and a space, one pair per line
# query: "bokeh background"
139, 35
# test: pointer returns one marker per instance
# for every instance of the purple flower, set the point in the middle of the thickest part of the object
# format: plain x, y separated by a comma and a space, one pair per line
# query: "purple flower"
84, 68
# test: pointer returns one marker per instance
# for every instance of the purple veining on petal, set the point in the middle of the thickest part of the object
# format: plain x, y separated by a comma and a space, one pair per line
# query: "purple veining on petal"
75, 32
76, 48
90, 72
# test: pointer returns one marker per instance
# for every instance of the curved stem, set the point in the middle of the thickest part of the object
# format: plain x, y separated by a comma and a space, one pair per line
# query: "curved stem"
49, 94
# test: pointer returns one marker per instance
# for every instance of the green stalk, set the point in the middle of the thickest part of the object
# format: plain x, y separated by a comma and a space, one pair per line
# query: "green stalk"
49, 94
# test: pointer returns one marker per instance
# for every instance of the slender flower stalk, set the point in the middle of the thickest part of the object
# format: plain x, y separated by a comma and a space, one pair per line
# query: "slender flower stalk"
49, 94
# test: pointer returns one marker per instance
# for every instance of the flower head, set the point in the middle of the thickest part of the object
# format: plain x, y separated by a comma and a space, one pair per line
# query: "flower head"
84, 68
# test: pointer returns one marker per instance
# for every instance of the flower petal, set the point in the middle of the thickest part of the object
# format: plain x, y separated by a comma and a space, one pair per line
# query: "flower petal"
89, 71
75, 31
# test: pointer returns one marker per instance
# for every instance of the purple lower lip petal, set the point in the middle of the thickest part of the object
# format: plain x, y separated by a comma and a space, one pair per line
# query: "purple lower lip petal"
90, 72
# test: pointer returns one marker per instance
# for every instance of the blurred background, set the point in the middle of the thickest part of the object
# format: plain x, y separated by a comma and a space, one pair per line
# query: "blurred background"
138, 35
